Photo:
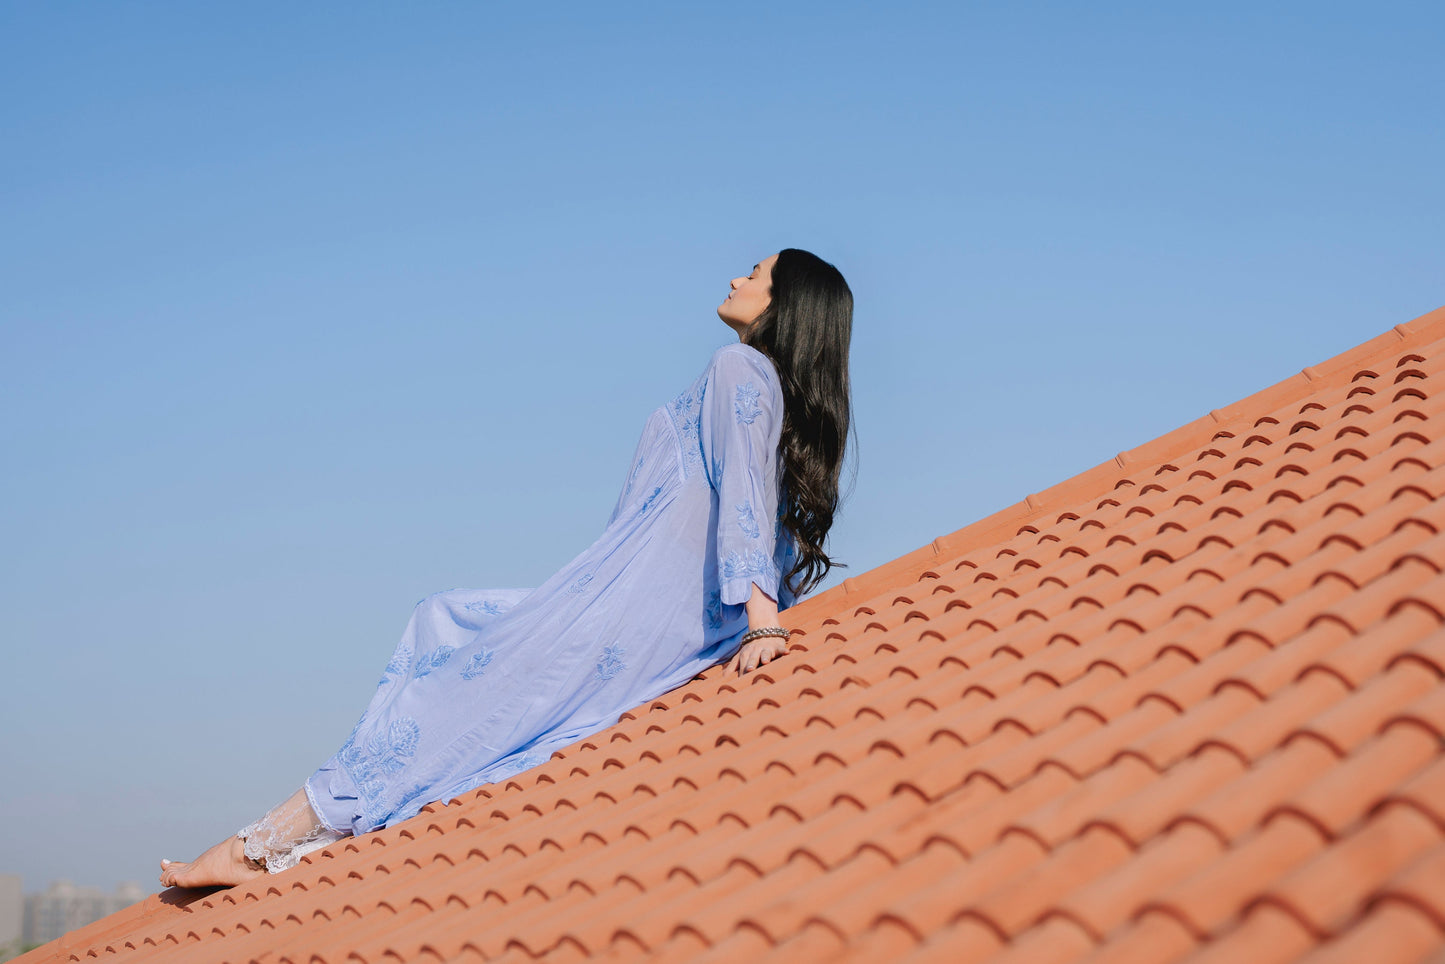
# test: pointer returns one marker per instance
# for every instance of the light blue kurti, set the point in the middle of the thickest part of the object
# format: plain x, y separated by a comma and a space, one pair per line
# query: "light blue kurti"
485, 684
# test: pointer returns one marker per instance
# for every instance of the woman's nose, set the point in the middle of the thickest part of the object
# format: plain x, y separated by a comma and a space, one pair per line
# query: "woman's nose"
733, 284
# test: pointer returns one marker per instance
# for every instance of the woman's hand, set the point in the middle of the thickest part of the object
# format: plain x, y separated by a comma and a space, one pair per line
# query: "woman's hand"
756, 653
762, 611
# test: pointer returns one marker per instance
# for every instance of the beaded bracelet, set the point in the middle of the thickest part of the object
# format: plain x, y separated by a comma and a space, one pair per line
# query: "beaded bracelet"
766, 631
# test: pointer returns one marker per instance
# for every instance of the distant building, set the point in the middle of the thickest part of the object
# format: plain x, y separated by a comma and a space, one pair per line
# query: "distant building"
12, 908
63, 907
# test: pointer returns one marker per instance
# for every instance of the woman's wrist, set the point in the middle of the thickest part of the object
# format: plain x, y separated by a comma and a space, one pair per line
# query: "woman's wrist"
762, 610
763, 632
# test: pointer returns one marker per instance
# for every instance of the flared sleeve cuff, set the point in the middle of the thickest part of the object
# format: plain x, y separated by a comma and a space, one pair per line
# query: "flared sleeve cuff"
741, 571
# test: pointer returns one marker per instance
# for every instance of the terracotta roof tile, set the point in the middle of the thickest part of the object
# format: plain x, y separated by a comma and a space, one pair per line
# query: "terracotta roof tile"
1389, 933
1187, 705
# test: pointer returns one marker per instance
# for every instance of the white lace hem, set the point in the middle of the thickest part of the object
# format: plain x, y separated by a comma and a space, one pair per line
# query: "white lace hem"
288, 832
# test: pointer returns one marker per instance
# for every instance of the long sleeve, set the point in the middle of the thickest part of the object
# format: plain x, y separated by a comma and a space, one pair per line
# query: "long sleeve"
741, 422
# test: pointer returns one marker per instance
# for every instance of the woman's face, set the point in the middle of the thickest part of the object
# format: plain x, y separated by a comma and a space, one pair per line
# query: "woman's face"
749, 296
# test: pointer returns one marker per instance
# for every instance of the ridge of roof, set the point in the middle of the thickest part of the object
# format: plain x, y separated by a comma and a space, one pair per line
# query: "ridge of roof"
1188, 704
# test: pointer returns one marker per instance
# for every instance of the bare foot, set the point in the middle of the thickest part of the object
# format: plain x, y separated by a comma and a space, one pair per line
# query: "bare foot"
224, 865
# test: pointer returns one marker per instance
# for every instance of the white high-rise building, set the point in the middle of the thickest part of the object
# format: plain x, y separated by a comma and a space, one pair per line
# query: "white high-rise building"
64, 907
12, 915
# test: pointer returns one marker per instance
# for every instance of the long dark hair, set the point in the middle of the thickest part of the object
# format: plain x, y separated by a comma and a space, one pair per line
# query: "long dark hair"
805, 330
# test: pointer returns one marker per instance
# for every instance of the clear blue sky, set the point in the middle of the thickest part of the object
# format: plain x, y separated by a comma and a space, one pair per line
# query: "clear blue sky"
309, 310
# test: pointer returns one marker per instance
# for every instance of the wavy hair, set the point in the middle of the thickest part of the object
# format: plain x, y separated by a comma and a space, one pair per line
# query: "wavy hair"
805, 331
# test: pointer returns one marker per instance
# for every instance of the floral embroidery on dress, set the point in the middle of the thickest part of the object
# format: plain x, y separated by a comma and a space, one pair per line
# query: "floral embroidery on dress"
418, 796
746, 521
754, 562
581, 583
686, 414
746, 405
651, 500
524, 762
477, 665
438, 659
472, 782
487, 607
384, 754
632, 476
398, 666
713, 609
610, 663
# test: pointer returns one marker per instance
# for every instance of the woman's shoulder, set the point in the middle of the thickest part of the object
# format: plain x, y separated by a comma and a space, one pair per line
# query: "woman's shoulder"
735, 361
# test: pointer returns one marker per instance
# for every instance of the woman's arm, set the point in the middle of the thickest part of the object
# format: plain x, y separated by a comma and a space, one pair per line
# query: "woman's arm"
739, 431
762, 613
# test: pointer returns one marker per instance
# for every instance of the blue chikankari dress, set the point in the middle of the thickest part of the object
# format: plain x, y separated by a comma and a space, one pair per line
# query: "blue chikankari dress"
485, 684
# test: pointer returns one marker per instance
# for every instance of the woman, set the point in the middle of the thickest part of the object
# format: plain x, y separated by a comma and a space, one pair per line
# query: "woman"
721, 524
